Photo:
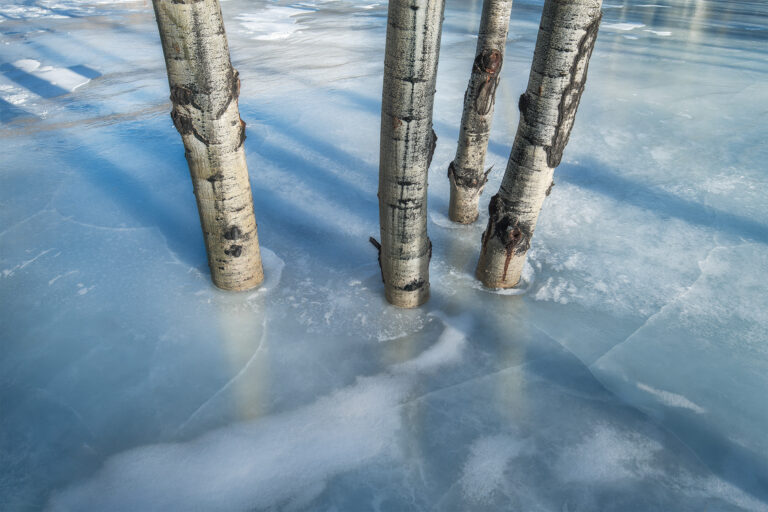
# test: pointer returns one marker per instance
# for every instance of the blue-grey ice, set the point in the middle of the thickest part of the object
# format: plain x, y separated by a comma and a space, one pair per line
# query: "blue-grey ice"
629, 372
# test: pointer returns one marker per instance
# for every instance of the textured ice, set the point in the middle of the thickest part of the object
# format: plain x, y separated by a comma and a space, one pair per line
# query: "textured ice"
483, 472
284, 459
626, 372
621, 26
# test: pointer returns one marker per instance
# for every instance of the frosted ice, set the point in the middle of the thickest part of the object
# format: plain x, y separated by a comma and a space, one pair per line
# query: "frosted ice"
483, 472
626, 372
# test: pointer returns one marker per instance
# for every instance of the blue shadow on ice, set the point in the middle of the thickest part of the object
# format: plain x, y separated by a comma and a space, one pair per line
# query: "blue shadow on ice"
9, 112
85, 71
138, 200
29, 81
593, 175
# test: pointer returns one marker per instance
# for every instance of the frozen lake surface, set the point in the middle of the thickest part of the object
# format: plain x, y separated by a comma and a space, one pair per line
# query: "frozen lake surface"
630, 374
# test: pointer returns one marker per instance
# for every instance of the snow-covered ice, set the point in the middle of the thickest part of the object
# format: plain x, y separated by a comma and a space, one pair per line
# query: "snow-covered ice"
628, 372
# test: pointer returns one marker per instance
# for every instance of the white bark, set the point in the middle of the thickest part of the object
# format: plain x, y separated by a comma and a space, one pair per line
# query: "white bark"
547, 110
467, 171
407, 145
204, 92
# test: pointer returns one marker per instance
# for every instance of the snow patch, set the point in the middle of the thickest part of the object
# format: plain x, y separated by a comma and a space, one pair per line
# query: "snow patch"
671, 399
272, 24
483, 472
558, 290
607, 455
622, 26
8, 272
251, 465
447, 350
60, 77
61, 276
282, 459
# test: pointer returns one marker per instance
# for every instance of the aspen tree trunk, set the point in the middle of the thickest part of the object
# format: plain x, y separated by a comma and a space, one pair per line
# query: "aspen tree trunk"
407, 146
547, 110
467, 171
204, 91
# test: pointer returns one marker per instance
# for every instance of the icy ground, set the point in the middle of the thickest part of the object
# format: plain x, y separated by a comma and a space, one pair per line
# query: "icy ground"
630, 374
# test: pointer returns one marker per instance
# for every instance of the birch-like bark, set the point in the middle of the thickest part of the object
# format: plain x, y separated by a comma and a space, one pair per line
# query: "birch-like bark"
204, 91
467, 171
547, 110
407, 146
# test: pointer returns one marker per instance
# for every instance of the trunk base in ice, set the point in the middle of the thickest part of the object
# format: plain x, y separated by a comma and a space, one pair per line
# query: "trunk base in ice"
547, 110
466, 173
407, 145
204, 92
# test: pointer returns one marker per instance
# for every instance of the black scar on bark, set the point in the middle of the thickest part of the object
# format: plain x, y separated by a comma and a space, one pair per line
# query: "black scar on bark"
233, 91
235, 251
522, 105
486, 69
233, 233
466, 178
569, 101
432, 145
242, 134
377, 245
214, 178
181, 95
184, 125
549, 188
513, 233
414, 285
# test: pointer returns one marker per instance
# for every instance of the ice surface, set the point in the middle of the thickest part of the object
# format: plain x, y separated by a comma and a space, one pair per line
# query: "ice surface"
627, 371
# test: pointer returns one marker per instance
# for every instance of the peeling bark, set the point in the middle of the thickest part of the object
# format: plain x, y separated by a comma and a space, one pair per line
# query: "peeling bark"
547, 111
204, 91
407, 145
466, 173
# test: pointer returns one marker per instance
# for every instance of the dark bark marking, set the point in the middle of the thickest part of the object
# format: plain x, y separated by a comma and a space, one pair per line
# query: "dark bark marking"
181, 95
214, 178
413, 80
242, 134
432, 144
414, 285
512, 233
462, 178
486, 70
235, 251
466, 178
377, 245
233, 91
233, 233
523, 104
185, 126
549, 188
569, 101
